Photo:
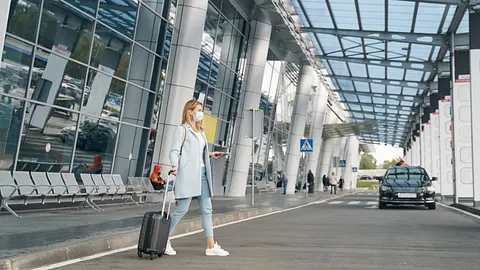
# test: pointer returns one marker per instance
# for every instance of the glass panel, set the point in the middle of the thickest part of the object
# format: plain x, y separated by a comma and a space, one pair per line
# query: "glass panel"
141, 67
105, 96
148, 26
11, 111
60, 82
119, 15
89, 7
15, 68
138, 98
111, 52
168, 40
95, 137
156, 5
47, 144
24, 20
209, 30
65, 31
130, 153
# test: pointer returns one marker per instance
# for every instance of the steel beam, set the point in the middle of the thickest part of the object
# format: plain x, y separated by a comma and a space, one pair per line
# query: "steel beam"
411, 65
396, 115
381, 95
377, 105
401, 83
444, 2
414, 38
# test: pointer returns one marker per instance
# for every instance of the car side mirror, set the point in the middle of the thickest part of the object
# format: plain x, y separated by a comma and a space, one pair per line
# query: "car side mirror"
434, 179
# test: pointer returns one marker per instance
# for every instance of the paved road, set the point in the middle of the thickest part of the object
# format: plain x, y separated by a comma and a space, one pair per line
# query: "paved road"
345, 233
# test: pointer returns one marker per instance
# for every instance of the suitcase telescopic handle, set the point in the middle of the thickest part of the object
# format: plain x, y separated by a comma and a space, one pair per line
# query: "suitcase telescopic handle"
166, 194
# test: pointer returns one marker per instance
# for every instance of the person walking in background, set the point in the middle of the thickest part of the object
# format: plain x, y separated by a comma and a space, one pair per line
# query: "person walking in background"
190, 161
311, 181
341, 183
333, 183
283, 178
325, 183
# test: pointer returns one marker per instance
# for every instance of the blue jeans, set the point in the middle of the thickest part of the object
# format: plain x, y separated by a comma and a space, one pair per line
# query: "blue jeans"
205, 202
285, 186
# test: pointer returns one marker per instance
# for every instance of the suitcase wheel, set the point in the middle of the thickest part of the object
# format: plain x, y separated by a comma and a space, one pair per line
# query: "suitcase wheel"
139, 253
151, 256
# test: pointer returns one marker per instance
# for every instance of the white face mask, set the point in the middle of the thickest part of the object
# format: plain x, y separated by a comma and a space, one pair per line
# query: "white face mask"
198, 117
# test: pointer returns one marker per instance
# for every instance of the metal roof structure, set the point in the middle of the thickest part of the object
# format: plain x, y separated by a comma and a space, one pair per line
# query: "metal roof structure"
383, 56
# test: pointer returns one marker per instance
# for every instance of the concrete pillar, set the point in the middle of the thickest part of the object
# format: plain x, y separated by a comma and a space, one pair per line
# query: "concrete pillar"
337, 151
181, 73
320, 108
351, 157
259, 42
297, 125
327, 148
341, 171
475, 96
4, 10
462, 130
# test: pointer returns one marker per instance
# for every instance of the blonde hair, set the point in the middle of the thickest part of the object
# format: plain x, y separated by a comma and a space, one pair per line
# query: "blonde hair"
190, 105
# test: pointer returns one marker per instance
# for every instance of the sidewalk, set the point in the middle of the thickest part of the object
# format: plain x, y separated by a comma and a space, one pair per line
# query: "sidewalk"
55, 229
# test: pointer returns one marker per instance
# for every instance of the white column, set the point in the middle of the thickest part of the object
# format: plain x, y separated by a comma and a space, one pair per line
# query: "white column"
446, 154
427, 147
474, 18
351, 157
297, 125
259, 42
327, 148
337, 150
435, 152
320, 109
4, 10
181, 72
341, 172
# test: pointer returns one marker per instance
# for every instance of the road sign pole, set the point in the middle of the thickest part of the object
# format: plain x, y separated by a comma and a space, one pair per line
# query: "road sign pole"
305, 176
253, 160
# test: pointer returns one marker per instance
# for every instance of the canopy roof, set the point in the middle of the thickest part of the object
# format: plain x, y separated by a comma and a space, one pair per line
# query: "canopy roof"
384, 56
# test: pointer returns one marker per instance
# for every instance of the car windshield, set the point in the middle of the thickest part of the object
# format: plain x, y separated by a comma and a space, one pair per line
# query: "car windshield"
406, 173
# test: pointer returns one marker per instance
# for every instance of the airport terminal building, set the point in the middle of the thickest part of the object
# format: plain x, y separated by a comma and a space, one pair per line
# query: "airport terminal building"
86, 78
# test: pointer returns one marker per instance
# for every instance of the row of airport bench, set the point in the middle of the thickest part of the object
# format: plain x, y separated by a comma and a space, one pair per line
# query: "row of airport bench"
27, 188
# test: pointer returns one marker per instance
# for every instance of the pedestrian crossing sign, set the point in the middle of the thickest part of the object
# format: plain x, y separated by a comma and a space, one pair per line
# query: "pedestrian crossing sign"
306, 145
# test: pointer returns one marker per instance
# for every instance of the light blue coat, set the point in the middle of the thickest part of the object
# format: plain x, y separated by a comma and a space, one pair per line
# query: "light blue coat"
189, 171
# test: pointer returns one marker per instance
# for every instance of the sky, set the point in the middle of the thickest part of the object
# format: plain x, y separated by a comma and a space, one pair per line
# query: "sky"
383, 152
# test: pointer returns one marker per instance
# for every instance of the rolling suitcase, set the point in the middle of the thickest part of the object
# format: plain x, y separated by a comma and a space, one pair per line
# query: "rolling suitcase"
154, 231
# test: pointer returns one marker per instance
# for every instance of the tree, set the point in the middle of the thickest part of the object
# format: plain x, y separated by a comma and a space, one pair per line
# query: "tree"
368, 162
392, 162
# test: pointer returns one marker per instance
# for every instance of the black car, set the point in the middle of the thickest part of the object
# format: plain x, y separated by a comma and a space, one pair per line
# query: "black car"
407, 185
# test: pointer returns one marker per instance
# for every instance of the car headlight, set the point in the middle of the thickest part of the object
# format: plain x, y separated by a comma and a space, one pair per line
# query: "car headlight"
429, 189
385, 188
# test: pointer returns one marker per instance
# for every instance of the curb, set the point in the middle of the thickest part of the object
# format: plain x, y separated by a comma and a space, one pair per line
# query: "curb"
465, 208
115, 242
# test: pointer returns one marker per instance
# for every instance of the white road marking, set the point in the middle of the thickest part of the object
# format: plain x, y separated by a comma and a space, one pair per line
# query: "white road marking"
370, 203
336, 202
111, 252
354, 202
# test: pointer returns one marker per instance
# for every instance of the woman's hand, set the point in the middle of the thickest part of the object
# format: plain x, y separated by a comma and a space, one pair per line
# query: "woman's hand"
217, 155
173, 171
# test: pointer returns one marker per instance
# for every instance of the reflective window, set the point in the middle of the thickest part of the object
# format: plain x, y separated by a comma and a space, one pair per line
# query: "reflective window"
111, 52
46, 145
95, 145
59, 81
15, 68
24, 20
103, 96
11, 111
65, 31
119, 15
131, 151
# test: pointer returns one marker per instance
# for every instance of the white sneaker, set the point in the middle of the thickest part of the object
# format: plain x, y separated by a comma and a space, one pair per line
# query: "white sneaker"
216, 251
169, 250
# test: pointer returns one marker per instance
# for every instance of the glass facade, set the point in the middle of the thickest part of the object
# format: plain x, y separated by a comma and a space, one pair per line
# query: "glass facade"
82, 79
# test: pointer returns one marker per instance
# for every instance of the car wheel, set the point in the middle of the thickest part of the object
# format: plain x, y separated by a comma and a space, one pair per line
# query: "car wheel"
432, 206
382, 205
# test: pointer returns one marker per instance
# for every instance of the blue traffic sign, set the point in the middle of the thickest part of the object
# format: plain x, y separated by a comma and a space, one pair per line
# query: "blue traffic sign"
113, 101
354, 169
342, 163
306, 145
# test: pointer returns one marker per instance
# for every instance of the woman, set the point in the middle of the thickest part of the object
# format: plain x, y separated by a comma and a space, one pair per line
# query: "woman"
325, 183
333, 183
191, 164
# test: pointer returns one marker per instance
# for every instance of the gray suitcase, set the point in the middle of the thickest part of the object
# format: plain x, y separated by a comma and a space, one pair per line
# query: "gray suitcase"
154, 231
